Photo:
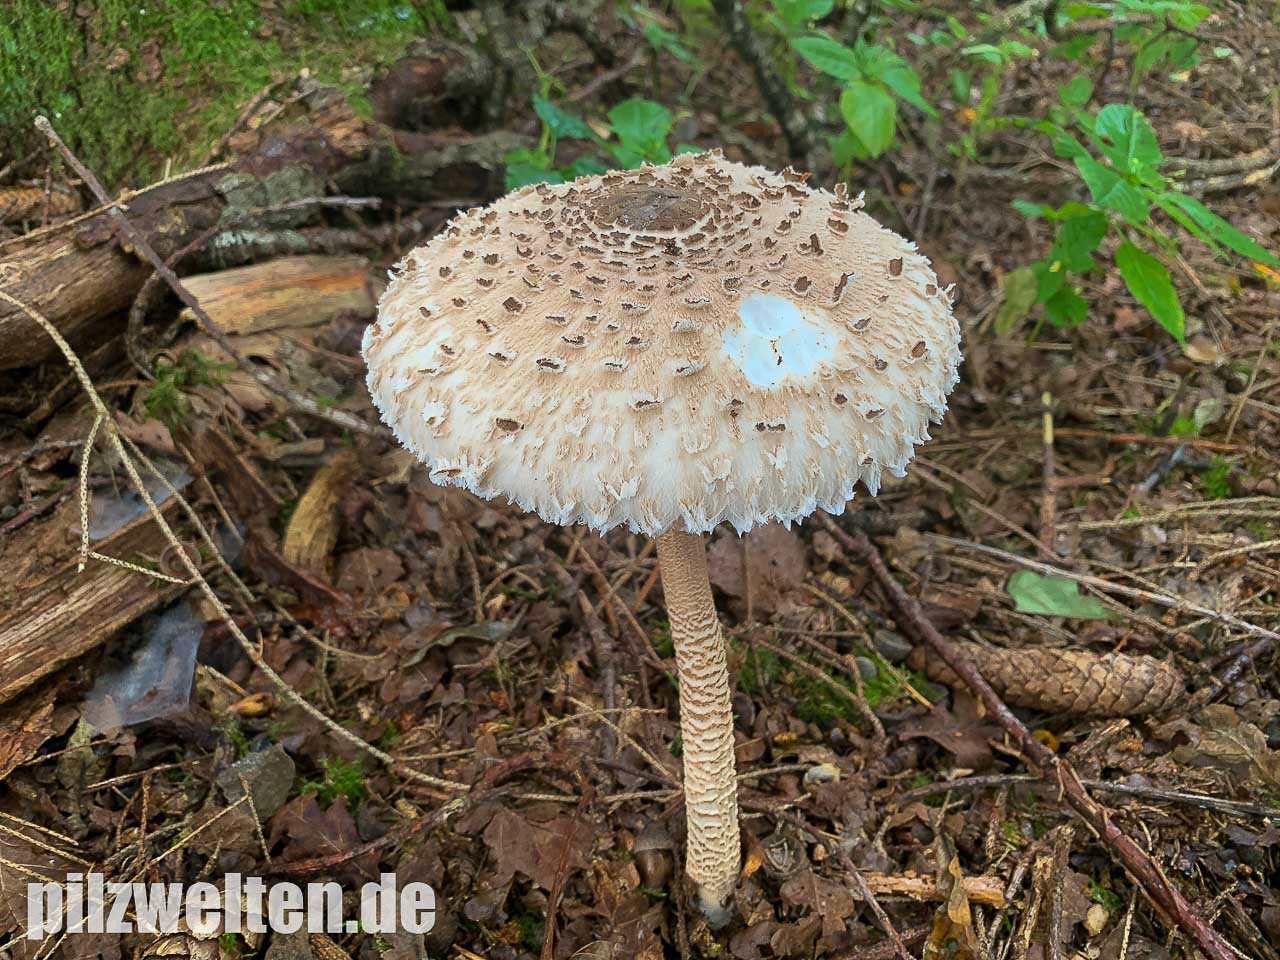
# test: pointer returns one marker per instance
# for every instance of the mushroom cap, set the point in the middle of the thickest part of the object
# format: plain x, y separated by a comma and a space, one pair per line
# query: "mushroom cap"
674, 346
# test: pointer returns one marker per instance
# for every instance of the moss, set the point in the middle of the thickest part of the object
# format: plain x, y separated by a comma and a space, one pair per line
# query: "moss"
341, 778
1214, 482
132, 83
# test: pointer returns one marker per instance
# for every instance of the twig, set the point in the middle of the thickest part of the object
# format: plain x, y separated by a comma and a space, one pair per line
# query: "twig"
1049, 482
1061, 848
1163, 599
1148, 875
140, 244
1236, 808
795, 127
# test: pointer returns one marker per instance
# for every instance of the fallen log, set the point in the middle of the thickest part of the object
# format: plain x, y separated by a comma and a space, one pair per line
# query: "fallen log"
80, 276
71, 612
287, 292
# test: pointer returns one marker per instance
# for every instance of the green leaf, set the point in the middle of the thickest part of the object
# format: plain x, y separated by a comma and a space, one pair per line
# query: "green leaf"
1148, 280
986, 52
521, 174
1054, 596
640, 123
1032, 210
799, 12
905, 82
1126, 138
871, 114
584, 166
1049, 279
560, 122
1020, 293
1066, 308
1151, 53
832, 58
1078, 236
960, 84
1075, 48
1214, 227
1075, 92
1112, 191
846, 148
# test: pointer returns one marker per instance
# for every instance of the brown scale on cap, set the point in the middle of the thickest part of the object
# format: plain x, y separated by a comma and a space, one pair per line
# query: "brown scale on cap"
660, 294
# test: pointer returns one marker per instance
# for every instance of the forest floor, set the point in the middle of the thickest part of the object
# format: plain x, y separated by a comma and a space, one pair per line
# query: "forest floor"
515, 679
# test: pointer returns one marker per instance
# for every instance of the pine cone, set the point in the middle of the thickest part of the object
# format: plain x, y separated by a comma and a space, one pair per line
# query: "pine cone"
1066, 681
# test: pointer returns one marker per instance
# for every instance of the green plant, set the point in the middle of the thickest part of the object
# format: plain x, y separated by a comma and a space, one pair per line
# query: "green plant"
1214, 482
991, 60
1108, 898
130, 84
874, 79
164, 401
1158, 31
1120, 168
341, 778
239, 739
635, 132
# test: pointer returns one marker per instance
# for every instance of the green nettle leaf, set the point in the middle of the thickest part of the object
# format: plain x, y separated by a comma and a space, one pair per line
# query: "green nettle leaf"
871, 114
1054, 596
521, 174
960, 84
832, 58
1075, 92
560, 122
1149, 282
1078, 236
1064, 144
1032, 210
1126, 138
1066, 308
1212, 227
584, 166
1112, 191
639, 123
1049, 279
905, 82
811, 9
846, 148
1020, 291
1151, 53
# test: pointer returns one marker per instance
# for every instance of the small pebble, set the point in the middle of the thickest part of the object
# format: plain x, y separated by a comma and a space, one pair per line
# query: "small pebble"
1095, 919
822, 773
894, 647
866, 667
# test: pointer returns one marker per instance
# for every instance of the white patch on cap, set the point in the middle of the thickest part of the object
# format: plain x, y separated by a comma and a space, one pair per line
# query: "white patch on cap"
776, 341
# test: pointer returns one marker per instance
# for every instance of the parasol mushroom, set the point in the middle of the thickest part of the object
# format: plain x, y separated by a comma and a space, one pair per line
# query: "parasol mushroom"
668, 349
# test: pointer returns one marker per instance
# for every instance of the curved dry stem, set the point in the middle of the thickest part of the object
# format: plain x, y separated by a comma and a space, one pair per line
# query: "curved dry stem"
706, 723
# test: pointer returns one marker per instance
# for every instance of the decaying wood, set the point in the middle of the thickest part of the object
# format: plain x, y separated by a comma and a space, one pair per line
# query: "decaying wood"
985, 890
1060, 680
313, 528
83, 278
72, 612
287, 292
28, 203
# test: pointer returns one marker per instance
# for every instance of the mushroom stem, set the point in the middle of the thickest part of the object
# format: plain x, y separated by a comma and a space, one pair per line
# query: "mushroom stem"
706, 723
